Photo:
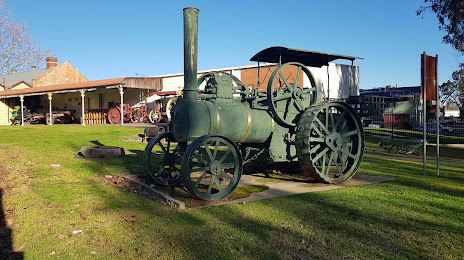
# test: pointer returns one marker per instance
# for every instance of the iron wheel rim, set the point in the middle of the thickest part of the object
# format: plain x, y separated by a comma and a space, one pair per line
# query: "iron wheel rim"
336, 141
162, 164
212, 167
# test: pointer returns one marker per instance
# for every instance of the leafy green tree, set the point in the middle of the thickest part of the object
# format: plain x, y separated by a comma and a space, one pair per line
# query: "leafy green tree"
452, 92
450, 14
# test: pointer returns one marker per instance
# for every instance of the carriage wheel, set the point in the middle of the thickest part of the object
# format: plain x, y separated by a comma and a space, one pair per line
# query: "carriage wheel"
330, 142
161, 159
154, 116
212, 167
47, 119
286, 97
114, 115
128, 115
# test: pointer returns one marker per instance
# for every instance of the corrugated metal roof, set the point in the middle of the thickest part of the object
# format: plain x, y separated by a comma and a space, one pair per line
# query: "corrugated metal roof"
142, 83
11, 79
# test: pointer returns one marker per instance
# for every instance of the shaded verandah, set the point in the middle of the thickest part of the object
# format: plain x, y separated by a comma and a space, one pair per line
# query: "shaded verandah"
145, 84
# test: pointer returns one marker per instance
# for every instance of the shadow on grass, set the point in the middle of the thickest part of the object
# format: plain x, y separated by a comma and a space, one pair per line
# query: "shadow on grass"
97, 143
6, 241
128, 164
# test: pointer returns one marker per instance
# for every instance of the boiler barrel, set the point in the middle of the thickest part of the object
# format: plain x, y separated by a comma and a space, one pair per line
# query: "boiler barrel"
235, 120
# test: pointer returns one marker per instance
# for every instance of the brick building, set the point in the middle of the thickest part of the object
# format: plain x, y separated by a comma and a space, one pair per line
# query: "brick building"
53, 74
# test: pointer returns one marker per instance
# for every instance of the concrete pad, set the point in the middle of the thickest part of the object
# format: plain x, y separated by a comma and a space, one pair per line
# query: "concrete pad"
278, 188
287, 188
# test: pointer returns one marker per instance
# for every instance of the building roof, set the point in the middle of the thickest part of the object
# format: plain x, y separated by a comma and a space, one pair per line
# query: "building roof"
391, 92
11, 79
309, 58
128, 82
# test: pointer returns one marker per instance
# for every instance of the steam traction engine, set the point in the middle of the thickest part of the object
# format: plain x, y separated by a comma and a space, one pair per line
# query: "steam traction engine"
215, 132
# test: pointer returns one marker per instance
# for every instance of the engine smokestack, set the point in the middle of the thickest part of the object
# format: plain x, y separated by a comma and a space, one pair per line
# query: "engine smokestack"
190, 53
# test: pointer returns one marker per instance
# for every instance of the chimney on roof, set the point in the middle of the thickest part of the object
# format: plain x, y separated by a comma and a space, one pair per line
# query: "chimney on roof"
51, 62
33, 67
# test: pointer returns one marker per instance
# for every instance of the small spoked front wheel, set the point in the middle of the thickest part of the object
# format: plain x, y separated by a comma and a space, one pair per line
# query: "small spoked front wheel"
161, 159
212, 167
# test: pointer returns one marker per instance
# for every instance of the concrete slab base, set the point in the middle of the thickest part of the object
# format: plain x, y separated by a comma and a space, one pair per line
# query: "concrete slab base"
276, 188
287, 188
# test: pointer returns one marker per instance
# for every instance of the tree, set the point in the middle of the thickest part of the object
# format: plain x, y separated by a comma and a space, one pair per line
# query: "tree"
452, 92
450, 14
17, 50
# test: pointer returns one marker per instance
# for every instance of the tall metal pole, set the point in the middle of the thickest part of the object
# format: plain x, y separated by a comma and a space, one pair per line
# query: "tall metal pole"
437, 112
424, 108
328, 83
258, 78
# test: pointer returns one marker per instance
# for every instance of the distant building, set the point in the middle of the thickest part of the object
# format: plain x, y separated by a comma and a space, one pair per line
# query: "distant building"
373, 104
378, 100
53, 74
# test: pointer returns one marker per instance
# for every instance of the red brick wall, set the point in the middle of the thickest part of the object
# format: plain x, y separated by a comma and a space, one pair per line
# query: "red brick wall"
62, 74
250, 76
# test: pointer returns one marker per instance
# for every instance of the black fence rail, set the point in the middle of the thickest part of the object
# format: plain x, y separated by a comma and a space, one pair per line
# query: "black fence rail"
410, 126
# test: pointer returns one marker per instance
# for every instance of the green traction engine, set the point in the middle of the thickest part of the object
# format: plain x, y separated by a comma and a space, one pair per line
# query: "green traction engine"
216, 132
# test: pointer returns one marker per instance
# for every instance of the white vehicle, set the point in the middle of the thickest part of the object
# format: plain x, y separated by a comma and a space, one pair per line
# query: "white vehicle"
432, 128
448, 120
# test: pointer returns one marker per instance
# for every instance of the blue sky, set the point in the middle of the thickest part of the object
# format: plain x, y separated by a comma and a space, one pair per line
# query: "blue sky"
110, 39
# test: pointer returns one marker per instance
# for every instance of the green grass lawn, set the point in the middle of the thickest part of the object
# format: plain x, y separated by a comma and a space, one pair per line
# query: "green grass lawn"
447, 152
412, 134
68, 211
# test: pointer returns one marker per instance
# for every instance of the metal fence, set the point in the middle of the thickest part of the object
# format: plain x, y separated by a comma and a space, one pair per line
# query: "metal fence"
410, 126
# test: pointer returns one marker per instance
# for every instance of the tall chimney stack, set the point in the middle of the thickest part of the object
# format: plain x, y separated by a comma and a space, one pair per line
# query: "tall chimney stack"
51, 62
190, 53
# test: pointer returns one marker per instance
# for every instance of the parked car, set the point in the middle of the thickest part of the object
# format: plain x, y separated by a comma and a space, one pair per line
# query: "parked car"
448, 120
432, 128
373, 126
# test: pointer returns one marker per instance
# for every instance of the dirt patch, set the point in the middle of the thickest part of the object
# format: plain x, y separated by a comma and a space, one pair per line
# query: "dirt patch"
120, 181
180, 193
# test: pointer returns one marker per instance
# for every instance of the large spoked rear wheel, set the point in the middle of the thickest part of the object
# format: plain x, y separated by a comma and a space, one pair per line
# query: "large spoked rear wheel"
212, 167
330, 142
161, 159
